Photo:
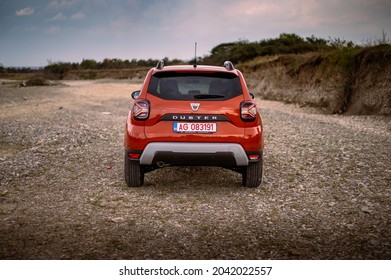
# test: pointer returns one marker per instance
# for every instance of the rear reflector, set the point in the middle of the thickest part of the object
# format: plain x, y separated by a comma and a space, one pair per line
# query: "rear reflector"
134, 156
253, 157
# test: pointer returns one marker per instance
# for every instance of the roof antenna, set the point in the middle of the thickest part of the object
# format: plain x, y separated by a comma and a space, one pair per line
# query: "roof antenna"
195, 55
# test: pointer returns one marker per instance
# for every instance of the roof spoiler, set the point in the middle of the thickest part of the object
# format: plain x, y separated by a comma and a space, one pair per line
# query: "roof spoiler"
229, 66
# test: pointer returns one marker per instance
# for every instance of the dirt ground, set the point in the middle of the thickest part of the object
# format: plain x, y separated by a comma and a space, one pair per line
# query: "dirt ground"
326, 191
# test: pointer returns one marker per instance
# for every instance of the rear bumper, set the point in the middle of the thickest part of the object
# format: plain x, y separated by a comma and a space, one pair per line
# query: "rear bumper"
194, 153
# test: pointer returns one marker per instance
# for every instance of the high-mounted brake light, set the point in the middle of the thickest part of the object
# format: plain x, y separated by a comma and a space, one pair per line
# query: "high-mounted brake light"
248, 111
141, 109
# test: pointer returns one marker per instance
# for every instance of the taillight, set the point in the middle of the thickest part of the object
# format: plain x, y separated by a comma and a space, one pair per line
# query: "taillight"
141, 109
248, 111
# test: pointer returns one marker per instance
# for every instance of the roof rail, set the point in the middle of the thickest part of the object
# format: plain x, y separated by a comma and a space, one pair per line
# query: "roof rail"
228, 65
160, 64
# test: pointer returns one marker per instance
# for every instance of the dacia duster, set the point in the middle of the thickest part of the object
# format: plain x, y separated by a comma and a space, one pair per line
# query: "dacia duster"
193, 115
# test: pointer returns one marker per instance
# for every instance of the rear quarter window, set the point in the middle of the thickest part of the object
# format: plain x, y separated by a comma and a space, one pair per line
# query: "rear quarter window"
194, 86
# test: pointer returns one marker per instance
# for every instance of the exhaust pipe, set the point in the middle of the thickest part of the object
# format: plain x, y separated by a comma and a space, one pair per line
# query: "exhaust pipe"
160, 164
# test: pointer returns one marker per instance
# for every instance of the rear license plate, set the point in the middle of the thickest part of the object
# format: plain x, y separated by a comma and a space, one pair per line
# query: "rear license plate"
184, 127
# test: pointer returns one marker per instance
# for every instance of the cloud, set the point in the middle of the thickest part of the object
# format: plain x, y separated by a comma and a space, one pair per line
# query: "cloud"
252, 9
55, 4
78, 16
25, 12
58, 17
53, 30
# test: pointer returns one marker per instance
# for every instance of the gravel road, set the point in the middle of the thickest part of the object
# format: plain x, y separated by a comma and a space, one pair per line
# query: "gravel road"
326, 192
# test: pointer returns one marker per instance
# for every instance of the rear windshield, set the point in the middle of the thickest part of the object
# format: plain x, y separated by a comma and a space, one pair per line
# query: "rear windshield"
194, 86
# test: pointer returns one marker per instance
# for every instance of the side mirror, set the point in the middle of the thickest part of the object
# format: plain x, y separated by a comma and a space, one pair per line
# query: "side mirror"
135, 94
252, 95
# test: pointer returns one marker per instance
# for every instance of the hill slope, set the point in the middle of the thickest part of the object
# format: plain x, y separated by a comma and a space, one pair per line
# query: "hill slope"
353, 81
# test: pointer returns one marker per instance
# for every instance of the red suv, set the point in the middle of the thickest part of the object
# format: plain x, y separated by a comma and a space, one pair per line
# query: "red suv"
193, 115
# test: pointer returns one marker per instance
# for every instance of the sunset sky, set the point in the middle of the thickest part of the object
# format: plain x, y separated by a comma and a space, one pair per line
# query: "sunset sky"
35, 32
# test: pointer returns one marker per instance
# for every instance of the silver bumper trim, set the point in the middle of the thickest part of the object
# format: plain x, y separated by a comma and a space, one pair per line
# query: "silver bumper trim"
203, 148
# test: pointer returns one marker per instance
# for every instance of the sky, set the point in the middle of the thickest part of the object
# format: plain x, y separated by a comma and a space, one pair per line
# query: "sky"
39, 32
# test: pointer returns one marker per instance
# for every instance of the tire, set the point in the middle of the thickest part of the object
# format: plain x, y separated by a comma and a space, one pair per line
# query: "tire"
134, 176
252, 174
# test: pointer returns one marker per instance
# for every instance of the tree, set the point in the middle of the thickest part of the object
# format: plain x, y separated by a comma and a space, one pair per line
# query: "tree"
88, 64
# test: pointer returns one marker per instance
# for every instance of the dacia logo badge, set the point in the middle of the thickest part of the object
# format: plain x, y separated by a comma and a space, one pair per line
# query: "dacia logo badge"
195, 106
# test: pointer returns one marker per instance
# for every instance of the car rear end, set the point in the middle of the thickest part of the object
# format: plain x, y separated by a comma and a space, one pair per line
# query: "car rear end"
193, 115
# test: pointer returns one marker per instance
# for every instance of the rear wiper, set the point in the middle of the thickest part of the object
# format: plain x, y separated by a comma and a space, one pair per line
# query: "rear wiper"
208, 96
